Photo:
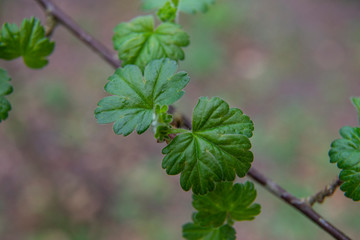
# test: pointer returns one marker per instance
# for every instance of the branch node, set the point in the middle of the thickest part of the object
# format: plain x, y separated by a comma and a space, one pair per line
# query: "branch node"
326, 192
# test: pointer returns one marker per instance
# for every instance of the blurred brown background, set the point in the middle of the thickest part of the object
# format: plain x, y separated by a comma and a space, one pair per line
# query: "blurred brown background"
291, 65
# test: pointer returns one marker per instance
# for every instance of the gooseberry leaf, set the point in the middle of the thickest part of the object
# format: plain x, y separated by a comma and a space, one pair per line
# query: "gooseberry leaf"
214, 150
135, 95
226, 201
29, 42
5, 89
192, 231
346, 153
187, 6
138, 43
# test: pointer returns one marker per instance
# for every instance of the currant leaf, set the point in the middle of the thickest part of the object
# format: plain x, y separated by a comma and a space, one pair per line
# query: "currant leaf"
192, 231
138, 43
216, 148
187, 6
29, 42
135, 95
226, 201
5, 89
346, 153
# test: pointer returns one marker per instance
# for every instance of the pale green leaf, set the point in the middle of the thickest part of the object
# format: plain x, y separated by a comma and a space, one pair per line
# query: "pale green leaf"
346, 153
137, 42
215, 150
135, 95
29, 42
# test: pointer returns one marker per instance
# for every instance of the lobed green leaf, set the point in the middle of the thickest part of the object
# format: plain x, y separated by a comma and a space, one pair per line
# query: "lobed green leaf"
138, 43
226, 201
29, 42
215, 150
5, 89
346, 153
135, 95
193, 231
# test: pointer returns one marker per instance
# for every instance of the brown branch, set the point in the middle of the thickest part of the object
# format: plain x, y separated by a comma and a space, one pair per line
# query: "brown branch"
75, 29
326, 192
297, 203
271, 186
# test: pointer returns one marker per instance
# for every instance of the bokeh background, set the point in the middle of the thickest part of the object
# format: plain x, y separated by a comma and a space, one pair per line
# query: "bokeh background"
291, 65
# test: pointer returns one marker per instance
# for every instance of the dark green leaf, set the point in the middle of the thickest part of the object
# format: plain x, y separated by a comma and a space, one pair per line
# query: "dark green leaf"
138, 43
135, 96
216, 148
5, 89
30, 43
346, 153
226, 201
193, 231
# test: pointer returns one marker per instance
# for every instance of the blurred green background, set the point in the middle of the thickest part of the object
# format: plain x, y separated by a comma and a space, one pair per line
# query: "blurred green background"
291, 65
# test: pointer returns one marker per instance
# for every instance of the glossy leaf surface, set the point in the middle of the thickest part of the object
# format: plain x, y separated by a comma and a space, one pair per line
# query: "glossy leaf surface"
215, 150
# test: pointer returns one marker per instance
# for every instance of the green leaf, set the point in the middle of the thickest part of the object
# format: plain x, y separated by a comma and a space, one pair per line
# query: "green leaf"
138, 43
226, 201
187, 6
356, 102
30, 43
5, 89
135, 96
216, 148
193, 231
167, 13
346, 153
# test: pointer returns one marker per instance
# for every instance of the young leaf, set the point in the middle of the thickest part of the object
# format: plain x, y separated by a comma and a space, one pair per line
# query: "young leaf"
193, 231
138, 43
135, 96
167, 13
226, 201
216, 148
346, 153
29, 42
187, 6
5, 89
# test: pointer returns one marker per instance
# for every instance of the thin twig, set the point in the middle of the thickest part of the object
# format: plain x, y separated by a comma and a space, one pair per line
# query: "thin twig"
297, 203
75, 29
271, 186
326, 192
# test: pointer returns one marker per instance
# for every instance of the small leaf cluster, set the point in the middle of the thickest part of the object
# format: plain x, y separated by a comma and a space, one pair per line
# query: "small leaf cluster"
346, 153
209, 156
30, 43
